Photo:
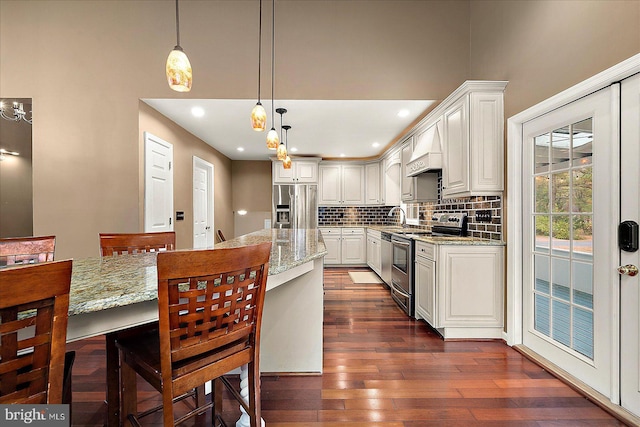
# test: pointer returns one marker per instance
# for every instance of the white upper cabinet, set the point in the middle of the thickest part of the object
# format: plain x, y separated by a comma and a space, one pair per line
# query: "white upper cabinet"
373, 184
302, 171
392, 179
341, 184
473, 128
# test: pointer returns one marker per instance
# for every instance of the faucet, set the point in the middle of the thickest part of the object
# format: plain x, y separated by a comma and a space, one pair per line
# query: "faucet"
403, 217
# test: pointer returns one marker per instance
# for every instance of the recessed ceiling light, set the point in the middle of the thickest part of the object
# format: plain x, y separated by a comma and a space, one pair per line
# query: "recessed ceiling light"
403, 113
341, 154
293, 149
375, 144
197, 111
240, 148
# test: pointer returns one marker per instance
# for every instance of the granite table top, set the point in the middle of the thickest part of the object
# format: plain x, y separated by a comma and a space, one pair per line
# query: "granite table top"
102, 283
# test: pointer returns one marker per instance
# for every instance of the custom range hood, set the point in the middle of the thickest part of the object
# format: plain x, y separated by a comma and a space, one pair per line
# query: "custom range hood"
427, 152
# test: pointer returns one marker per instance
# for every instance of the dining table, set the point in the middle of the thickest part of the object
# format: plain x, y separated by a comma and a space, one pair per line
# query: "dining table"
110, 295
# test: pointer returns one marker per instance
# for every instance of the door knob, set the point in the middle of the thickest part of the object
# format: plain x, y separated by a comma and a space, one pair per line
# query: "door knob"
629, 270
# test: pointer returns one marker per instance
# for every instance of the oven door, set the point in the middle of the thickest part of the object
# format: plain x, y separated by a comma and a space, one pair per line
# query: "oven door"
401, 274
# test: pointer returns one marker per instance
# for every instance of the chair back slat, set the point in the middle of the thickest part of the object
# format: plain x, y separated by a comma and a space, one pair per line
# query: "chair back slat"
34, 304
209, 299
113, 244
26, 250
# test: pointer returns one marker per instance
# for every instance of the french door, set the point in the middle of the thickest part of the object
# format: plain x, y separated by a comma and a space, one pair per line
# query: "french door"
570, 188
630, 211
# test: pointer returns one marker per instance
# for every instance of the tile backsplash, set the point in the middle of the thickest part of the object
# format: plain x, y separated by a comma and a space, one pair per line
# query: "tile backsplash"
340, 216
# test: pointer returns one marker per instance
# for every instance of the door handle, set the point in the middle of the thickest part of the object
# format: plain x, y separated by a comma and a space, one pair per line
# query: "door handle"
628, 270
207, 228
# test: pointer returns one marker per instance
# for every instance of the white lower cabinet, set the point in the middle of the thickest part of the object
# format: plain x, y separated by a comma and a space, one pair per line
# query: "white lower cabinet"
374, 251
459, 291
345, 245
425, 280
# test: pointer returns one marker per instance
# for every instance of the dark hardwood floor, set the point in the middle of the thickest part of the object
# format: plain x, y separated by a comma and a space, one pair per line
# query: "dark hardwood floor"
382, 369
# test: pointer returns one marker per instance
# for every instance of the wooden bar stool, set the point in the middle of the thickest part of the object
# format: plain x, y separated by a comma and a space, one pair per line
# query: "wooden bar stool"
210, 311
34, 299
33, 250
26, 250
130, 243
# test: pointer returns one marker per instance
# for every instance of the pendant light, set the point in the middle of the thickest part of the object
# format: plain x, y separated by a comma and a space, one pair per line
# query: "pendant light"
258, 114
282, 150
179, 74
286, 163
272, 136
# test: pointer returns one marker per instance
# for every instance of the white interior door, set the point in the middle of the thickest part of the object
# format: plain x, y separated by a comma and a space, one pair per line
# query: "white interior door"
202, 204
569, 180
158, 184
630, 210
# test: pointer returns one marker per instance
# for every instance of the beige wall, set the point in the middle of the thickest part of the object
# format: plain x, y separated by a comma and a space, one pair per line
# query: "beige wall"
251, 192
185, 146
545, 47
86, 64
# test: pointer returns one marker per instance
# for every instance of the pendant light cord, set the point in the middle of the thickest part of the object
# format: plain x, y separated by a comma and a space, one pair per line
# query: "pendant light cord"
273, 58
259, 50
177, 25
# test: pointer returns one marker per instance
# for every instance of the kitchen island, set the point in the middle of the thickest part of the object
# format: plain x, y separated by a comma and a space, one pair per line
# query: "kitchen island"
291, 337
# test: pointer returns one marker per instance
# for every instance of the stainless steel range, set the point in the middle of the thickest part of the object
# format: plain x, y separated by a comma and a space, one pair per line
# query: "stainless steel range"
449, 224
402, 280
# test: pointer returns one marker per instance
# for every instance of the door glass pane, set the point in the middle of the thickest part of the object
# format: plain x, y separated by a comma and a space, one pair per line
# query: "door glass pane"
542, 223
563, 221
582, 190
561, 281
582, 143
560, 146
542, 144
541, 268
541, 194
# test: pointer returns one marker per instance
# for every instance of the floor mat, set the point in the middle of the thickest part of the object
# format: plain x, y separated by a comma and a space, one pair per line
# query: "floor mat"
364, 277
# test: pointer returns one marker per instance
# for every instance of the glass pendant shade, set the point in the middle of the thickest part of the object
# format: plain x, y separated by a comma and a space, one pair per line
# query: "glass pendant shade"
272, 139
179, 74
258, 118
286, 163
282, 151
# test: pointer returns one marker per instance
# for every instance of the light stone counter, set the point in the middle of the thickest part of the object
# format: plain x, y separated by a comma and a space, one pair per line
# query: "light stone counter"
111, 294
437, 240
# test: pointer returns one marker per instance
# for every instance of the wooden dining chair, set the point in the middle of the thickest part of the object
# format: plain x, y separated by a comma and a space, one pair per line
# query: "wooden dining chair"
129, 243
34, 300
26, 250
210, 311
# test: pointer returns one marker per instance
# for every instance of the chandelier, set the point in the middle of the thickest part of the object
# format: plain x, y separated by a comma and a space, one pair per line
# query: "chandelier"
15, 113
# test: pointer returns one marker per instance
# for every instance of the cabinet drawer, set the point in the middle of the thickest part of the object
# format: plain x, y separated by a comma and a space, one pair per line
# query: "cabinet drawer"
347, 231
374, 233
426, 250
330, 231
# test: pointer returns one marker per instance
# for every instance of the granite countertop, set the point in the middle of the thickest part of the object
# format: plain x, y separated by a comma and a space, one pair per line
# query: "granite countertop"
437, 240
103, 283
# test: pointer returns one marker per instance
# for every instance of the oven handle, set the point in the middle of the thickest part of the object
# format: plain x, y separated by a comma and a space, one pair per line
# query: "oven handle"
397, 242
394, 285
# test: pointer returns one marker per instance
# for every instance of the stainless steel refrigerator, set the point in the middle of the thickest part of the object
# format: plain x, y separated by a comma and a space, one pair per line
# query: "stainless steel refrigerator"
295, 206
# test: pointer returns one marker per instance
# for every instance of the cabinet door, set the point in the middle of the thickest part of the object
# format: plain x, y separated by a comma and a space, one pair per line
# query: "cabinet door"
334, 249
406, 181
306, 171
372, 184
392, 180
377, 256
330, 185
353, 249
425, 279
471, 286
280, 174
487, 142
455, 170
353, 184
